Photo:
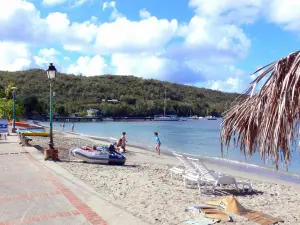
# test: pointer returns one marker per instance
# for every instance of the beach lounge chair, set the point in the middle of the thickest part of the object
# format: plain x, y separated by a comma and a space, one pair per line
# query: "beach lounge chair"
207, 176
182, 167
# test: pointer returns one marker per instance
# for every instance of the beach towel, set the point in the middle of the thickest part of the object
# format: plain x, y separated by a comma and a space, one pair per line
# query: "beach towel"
231, 205
197, 208
215, 214
209, 212
202, 221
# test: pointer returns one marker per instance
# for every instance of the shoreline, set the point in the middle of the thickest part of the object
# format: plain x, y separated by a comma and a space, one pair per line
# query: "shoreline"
217, 163
236, 168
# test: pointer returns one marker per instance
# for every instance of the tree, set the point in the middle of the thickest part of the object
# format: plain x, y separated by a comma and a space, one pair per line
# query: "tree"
6, 109
31, 103
8, 90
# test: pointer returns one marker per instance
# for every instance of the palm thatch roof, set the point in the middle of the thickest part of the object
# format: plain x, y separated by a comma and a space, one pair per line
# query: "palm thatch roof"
267, 121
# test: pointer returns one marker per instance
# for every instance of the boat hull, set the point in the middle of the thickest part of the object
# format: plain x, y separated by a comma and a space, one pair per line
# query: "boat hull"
39, 134
99, 157
166, 119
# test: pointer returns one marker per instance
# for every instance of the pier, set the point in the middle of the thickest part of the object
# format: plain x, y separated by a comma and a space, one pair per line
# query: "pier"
96, 119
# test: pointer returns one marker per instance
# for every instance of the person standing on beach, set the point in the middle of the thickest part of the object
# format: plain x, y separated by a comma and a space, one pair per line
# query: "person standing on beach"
158, 143
123, 140
73, 126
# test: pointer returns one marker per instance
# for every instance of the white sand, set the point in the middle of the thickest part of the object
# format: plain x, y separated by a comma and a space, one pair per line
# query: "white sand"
144, 187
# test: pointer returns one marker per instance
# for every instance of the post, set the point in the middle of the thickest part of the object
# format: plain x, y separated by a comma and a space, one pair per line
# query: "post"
165, 101
14, 113
51, 145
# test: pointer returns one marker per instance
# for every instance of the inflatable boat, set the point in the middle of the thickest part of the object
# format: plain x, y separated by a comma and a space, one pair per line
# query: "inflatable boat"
101, 157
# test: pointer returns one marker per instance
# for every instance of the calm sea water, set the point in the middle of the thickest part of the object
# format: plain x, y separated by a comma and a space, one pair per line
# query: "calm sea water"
197, 137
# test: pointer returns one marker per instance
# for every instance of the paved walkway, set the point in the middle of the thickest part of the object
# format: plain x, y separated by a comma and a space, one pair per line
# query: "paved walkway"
34, 192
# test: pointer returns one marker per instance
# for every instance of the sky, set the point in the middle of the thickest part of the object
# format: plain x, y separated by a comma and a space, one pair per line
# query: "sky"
214, 44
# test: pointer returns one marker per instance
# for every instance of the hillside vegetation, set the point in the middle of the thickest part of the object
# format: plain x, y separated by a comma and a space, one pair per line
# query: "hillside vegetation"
137, 96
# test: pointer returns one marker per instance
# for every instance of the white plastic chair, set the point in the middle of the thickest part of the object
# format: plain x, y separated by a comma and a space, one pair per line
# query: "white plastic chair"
183, 167
207, 176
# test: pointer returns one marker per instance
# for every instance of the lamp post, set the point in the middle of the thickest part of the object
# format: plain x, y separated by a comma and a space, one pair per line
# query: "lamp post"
14, 109
51, 152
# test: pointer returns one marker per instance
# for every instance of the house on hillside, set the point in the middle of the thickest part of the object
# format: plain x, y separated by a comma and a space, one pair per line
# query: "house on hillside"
110, 100
92, 112
75, 114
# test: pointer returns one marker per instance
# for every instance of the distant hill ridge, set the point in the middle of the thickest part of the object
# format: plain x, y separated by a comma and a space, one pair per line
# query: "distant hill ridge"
137, 96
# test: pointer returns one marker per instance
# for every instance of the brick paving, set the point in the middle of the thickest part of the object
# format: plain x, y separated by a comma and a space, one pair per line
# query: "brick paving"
31, 194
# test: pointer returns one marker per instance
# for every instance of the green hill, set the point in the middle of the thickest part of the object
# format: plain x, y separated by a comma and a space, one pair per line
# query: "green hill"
137, 96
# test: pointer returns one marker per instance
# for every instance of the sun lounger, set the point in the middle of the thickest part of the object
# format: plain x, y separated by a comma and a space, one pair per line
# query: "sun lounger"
183, 166
207, 176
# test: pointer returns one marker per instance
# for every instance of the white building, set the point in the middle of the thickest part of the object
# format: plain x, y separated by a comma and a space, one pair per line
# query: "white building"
92, 112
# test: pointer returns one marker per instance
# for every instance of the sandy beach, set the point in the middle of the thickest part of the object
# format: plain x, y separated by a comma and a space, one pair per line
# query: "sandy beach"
144, 187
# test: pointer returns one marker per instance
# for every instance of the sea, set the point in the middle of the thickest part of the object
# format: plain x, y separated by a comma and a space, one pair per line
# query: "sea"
199, 138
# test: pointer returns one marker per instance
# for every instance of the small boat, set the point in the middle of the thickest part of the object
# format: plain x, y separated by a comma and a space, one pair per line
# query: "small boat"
211, 118
39, 134
193, 117
183, 119
166, 118
108, 119
100, 157
20, 124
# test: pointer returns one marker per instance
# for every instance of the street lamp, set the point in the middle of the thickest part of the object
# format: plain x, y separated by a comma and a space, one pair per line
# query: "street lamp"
14, 109
51, 152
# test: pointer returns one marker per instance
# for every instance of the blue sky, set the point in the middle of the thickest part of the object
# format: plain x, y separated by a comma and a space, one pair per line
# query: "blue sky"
207, 43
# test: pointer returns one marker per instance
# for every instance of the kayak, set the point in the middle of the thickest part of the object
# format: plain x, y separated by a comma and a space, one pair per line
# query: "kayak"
100, 157
40, 134
20, 124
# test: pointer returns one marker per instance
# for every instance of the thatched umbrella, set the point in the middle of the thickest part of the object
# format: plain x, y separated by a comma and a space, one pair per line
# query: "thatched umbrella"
267, 121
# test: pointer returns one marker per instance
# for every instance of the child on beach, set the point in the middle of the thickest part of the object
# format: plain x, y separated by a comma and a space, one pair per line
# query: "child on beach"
158, 143
123, 145
73, 126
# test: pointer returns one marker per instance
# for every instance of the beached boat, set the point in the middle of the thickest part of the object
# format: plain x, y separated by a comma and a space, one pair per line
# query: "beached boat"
38, 134
100, 157
20, 124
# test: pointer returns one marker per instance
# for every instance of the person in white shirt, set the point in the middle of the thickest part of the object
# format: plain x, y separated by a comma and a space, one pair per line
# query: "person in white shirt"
124, 141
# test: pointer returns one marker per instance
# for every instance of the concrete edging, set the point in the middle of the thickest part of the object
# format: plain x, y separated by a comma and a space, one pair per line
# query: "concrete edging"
111, 212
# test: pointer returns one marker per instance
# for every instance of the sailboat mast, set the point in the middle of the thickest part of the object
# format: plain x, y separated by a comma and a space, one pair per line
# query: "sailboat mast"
165, 102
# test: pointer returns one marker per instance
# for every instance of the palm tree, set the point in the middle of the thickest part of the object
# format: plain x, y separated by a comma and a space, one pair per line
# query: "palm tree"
8, 90
267, 121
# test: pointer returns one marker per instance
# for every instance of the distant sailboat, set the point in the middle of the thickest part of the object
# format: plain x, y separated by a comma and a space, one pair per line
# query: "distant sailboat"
166, 117
210, 117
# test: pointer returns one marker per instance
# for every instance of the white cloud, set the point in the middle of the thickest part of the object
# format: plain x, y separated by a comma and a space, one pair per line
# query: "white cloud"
106, 5
14, 56
88, 66
53, 2
144, 14
206, 49
242, 11
124, 35
115, 14
285, 13
73, 3
29, 27
46, 56
143, 65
